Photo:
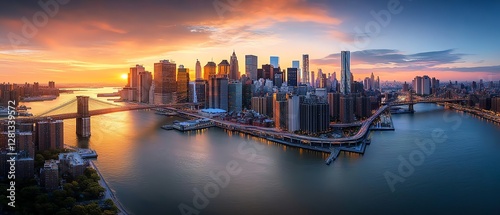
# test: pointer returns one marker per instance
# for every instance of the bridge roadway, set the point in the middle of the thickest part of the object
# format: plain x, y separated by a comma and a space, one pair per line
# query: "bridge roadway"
425, 101
97, 112
277, 134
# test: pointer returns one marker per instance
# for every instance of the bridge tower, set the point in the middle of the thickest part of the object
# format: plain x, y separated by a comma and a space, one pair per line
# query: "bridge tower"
410, 106
83, 119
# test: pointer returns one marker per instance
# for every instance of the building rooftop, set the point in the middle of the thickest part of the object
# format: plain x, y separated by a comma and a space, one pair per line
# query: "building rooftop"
74, 158
213, 111
51, 164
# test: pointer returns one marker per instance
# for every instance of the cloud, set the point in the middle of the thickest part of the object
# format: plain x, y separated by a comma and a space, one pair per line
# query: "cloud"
395, 58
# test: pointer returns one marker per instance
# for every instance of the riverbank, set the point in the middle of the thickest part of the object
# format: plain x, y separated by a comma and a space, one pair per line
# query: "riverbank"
474, 112
109, 193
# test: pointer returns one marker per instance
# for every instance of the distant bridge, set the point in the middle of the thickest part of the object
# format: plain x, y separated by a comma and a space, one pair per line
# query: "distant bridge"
83, 113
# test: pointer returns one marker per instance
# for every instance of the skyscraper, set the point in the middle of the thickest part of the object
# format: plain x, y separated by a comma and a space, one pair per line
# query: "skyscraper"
234, 68
314, 115
251, 66
218, 92
292, 74
293, 113
296, 64
209, 70
417, 85
426, 85
346, 109
346, 75
165, 82
133, 78
182, 84
268, 71
224, 68
198, 70
305, 68
235, 97
275, 61
313, 79
145, 81
49, 135
372, 82
334, 103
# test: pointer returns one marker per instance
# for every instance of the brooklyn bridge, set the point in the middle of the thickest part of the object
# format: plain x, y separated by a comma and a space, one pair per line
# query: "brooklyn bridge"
87, 107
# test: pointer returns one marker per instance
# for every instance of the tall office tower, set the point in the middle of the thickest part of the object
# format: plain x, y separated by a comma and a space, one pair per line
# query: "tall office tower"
314, 116
49, 135
268, 71
426, 85
293, 113
346, 109
247, 92
280, 110
296, 64
201, 91
52, 84
278, 79
234, 69
260, 74
305, 68
313, 79
198, 70
318, 78
235, 97
372, 82
165, 82
275, 61
192, 97
145, 81
133, 81
209, 70
251, 66
182, 84
366, 84
346, 75
322, 81
417, 85
334, 102
224, 68
377, 86
292, 77
218, 92
273, 77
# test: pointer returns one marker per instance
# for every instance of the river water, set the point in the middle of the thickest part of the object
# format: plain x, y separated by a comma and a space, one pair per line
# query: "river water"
153, 171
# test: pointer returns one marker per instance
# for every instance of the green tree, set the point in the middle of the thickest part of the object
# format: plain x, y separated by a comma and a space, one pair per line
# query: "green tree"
63, 211
78, 210
69, 202
93, 209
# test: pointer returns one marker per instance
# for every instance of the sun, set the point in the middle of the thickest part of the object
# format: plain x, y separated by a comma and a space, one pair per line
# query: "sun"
124, 76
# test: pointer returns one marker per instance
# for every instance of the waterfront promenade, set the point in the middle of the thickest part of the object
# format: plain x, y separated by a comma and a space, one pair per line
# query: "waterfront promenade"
108, 194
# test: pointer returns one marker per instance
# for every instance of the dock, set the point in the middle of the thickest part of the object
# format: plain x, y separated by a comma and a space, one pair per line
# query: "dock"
333, 156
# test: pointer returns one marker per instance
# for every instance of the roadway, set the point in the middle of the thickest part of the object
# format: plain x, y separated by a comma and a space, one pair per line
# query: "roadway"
258, 131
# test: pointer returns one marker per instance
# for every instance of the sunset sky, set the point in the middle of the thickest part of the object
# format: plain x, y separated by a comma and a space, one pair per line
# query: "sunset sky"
95, 41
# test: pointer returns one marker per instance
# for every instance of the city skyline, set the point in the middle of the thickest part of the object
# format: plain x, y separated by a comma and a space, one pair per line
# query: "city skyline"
102, 47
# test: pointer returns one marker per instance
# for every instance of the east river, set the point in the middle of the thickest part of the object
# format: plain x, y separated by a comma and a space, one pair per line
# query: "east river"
437, 161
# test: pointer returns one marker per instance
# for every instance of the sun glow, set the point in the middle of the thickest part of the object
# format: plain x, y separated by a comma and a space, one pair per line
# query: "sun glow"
124, 76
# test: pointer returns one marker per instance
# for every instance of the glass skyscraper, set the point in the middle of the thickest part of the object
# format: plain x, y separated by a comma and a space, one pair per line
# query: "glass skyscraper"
275, 61
345, 84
